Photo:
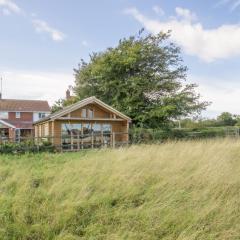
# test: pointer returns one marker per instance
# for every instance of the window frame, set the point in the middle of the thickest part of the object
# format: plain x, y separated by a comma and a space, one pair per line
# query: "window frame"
90, 110
41, 115
17, 115
84, 113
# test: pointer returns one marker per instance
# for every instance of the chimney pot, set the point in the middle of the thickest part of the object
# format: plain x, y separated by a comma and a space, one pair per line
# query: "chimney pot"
68, 94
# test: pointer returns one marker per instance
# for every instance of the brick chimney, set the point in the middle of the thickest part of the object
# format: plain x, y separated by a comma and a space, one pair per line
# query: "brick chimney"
68, 94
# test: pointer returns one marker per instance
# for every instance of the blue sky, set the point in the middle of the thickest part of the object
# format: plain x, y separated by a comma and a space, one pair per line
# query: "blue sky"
42, 41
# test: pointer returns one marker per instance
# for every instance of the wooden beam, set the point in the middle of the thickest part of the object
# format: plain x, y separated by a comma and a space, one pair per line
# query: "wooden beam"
92, 119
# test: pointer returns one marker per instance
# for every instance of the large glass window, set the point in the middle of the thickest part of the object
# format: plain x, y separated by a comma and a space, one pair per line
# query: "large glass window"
87, 135
96, 128
90, 113
106, 129
87, 129
97, 131
84, 113
71, 129
71, 135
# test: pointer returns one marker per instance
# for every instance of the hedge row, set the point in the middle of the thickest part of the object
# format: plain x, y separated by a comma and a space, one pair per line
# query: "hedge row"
141, 135
25, 147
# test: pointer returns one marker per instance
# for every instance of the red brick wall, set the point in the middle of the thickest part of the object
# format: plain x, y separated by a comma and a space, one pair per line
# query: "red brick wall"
25, 116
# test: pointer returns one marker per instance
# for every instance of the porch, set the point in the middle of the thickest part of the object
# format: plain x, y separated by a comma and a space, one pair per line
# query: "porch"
14, 132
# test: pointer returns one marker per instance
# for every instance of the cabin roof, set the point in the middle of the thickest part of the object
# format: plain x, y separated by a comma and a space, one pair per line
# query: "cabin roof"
80, 104
15, 105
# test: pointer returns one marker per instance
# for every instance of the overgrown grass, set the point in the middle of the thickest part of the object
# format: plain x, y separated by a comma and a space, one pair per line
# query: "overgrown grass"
185, 190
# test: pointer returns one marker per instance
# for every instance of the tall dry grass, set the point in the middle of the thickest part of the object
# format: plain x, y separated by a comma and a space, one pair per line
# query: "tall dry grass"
183, 190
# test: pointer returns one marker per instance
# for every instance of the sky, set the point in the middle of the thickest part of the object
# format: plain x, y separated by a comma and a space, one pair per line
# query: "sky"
41, 42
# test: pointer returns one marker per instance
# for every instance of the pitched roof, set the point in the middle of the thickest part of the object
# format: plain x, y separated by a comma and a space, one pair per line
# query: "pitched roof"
18, 124
80, 104
6, 124
24, 105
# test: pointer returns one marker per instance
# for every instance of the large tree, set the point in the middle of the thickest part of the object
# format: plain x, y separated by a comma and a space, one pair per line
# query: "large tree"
144, 77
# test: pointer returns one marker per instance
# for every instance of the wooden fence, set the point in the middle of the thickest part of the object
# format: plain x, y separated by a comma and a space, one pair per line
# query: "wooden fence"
70, 142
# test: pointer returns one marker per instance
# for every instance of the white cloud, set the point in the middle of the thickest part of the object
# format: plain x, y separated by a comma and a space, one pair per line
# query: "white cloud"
158, 10
43, 27
186, 14
207, 44
10, 7
48, 86
223, 94
7, 7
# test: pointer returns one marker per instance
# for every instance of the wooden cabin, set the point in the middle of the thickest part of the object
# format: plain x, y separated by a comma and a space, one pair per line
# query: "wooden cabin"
88, 123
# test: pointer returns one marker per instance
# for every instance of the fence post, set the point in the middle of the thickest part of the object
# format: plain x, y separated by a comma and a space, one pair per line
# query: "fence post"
78, 141
92, 139
71, 140
113, 140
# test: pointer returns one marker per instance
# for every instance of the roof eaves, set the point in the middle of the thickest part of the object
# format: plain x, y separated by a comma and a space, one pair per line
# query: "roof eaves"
72, 107
79, 104
7, 124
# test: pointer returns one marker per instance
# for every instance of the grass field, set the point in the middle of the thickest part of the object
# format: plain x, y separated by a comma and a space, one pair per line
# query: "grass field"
185, 190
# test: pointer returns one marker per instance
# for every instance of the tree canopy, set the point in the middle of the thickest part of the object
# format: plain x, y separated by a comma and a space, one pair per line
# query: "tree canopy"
144, 77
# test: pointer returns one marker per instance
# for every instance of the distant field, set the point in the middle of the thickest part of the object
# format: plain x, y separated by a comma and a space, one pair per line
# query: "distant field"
185, 191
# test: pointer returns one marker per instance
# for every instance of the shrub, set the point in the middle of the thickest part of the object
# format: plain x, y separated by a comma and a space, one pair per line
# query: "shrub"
26, 147
141, 135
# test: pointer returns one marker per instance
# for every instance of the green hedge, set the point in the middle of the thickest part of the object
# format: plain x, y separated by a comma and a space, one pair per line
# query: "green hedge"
142, 135
25, 147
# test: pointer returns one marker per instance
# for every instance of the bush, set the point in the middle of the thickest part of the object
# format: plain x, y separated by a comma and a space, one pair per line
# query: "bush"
141, 135
26, 147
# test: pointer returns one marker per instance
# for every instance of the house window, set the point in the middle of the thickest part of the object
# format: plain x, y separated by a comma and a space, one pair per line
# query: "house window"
96, 128
18, 115
84, 113
3, 115
41, 115
71, 129
106, 128
90, 113
87, 129
97, 133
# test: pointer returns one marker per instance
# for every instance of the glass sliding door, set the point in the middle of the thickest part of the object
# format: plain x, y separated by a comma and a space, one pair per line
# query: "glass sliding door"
106, 131
87, 135
97, 134
71, 135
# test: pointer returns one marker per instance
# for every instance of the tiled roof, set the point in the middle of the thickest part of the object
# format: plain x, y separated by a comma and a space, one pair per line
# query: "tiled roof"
24, 105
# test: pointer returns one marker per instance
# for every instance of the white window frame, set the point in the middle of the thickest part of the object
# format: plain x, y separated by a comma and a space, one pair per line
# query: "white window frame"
41, 115
18, 114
